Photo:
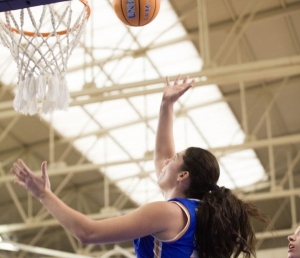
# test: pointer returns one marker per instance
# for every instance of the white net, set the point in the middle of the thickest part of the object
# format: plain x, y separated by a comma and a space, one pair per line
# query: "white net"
41, 57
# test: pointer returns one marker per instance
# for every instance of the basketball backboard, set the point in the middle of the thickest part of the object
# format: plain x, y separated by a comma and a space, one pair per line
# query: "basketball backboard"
8, 5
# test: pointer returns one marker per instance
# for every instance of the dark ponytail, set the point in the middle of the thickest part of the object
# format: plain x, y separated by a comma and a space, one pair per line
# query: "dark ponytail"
223, 228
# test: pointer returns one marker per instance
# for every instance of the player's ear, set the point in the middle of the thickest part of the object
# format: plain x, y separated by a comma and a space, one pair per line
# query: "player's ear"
183, 175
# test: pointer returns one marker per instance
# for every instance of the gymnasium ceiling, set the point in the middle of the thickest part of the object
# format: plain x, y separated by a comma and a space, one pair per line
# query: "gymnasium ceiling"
244, 107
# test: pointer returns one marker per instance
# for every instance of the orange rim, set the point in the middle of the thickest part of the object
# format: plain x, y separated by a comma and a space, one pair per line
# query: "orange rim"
51, 34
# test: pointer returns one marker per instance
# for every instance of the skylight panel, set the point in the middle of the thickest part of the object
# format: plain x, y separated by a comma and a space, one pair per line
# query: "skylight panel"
244, 167
99, 78
128, 178
153, 176
225, 179
108, 30
153, 124
168, 58
106, 150
93, 77
150, 140
132, 138
95, 151
85, 144
186, 135
130, 69
106, 52
173, 31
75, 81
157, 197
148, 105
113, 112
122, 172
149, 165
71, 123
218, 125
105, 11
139, 70
128, 185
118, 67
8, 68
143, 191
201, 95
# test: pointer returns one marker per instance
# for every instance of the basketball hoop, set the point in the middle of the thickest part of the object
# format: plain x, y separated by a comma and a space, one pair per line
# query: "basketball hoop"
42, 57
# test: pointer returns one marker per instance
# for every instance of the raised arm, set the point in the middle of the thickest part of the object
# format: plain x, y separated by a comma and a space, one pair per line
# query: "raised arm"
143, 221
164, 145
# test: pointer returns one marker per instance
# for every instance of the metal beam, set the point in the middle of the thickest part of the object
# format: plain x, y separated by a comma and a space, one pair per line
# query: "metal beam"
223, 25
41, 250
103, 131
114, 213
274, 13
262, 143
78, 168
247, 72
222, 80
225, 74
273, 195
237, 27
219, 151
277, 233
118, 250
203, 31
52, 222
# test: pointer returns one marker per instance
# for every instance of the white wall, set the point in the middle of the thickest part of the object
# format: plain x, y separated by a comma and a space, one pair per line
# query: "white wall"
274, 253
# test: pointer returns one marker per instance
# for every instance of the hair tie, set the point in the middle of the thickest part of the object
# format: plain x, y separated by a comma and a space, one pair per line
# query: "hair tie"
214, 187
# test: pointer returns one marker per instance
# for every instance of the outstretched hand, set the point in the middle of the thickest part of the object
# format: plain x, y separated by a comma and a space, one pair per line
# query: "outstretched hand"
38, 186
174, 92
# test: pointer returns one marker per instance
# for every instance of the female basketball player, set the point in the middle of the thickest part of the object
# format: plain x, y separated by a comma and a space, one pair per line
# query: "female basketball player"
294, 244
197, 218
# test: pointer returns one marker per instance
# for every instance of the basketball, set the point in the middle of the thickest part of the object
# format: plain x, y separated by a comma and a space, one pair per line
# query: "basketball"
136, 12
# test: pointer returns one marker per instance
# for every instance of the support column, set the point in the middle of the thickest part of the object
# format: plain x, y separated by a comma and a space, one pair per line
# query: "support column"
203, 32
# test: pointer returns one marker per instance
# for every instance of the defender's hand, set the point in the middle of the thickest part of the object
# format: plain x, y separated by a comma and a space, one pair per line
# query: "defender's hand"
38, 186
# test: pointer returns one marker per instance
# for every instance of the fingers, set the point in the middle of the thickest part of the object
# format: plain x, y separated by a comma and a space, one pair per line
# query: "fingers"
192, 83
168, 80
177, 79
23, 166
22, 172
20, 183
45, 175
18, 172
185, 79
44, 170
184, 82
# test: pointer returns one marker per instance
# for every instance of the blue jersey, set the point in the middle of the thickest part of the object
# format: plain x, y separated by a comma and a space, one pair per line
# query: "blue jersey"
182, 246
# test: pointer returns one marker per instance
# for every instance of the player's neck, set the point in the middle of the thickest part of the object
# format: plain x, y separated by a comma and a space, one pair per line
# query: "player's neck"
173, 194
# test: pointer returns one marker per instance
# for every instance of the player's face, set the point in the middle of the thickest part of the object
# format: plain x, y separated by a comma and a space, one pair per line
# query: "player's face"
294, 244
169, 174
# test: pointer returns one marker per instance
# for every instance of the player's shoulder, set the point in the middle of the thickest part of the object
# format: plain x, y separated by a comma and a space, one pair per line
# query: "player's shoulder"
162, 207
